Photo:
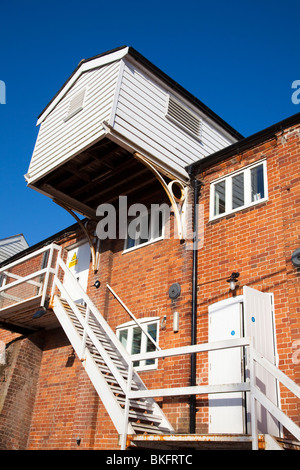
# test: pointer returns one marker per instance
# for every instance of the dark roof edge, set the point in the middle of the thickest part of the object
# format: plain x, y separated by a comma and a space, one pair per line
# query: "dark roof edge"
171, 83
57, 236
166, 79
243, 145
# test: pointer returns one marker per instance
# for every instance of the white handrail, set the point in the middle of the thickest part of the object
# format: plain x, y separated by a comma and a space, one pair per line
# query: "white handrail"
28, 279
255, 393
27, 257
96, 314
134, 318
24, 279
88, 330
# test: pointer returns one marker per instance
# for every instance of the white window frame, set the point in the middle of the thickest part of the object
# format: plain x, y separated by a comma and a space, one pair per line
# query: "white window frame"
247, 190
152, 229
129, 326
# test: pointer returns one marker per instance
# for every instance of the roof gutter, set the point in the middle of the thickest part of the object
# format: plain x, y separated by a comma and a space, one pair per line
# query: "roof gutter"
196, 189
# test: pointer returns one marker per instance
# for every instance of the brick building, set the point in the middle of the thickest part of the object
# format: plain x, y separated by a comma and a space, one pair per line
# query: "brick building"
77, 307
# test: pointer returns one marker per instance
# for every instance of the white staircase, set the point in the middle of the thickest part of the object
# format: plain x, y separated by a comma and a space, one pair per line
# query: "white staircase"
106, 362
130, 405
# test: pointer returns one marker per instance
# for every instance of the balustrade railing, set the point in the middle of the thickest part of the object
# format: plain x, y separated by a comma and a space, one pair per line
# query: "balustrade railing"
248, 386
29, 278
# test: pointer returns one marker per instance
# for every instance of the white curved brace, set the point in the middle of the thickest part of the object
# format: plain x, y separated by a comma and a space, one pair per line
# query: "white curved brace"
169, 191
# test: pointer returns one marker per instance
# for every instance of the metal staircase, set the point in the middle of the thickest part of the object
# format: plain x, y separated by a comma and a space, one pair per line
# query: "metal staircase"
106, 361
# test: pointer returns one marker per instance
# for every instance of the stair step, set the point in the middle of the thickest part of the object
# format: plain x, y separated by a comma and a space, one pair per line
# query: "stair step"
144, 416
140, 404
145, 428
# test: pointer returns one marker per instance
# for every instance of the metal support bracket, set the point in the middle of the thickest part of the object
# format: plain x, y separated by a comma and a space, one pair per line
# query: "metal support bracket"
93, 252
176, 202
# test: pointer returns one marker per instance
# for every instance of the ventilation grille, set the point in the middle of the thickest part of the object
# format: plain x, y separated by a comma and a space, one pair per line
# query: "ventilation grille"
185, 118
76, 104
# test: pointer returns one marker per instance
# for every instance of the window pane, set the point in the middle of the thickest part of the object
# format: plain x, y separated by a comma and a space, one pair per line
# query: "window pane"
257, 183
123, 337
130, 242
152, 330
136, 343
144, 228
220, 198
157, 223
238, 191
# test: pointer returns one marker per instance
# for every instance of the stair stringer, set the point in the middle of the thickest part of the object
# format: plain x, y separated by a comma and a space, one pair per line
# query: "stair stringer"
107, 397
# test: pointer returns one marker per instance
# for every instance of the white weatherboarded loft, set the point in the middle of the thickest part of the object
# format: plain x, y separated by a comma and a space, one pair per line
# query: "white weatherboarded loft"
120, 97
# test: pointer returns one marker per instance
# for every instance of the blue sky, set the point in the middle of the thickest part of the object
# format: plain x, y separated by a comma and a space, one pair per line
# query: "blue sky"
238, 57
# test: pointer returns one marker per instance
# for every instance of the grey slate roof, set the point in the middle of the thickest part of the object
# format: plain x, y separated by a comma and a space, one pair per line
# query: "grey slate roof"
12, 245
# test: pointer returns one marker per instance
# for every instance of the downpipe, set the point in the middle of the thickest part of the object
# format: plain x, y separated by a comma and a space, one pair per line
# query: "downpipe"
196, 187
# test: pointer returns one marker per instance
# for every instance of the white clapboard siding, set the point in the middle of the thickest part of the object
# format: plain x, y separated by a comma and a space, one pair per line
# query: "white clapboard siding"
60, 139
133, 100
140, 116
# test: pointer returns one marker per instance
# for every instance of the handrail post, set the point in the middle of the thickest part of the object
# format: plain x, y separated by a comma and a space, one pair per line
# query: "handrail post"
86, 321
252, 398
134, 318
56, 269
47, 274
126, 409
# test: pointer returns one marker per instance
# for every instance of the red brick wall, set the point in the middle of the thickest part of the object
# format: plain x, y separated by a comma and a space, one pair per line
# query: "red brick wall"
258, 243
142, 278
67, 407
18, 383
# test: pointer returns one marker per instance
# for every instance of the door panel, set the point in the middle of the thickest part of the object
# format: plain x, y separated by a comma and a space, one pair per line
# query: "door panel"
226, 410
259, 324
78, 262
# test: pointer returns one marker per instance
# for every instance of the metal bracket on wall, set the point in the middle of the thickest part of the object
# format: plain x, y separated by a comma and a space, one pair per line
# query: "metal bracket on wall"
176, 202
94, 258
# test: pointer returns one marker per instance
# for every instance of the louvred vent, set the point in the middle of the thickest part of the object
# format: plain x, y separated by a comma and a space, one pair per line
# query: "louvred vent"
76, 104
184, 117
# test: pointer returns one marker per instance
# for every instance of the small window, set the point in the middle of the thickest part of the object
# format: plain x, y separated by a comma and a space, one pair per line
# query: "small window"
76, 104
257, 183
136, 342
238, 190
145, 229
219, 198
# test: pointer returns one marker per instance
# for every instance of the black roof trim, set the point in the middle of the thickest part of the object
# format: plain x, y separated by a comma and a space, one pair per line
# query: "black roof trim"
242, 145
166, 79
171, 83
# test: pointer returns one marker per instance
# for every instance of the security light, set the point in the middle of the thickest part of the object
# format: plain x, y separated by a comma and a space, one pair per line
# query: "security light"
232, 280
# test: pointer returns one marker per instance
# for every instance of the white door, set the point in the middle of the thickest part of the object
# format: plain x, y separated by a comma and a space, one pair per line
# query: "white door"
248, 315
78, 262
226, 410
259, 324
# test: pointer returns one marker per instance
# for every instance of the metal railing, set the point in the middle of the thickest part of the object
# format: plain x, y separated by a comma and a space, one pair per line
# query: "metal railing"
140, 325
79, 342
28, 278
247, 386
